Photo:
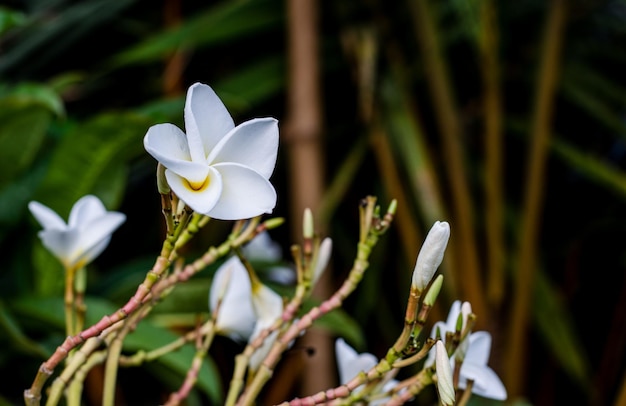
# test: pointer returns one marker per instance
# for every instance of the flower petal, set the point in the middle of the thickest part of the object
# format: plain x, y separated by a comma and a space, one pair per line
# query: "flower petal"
61, 243
236, 316
46, 216
263, 248
245, 193
206, 119
201, 200
350, 363
486, 382
453, 315
268, 305
85, 210
168, 145
253, 144
93, 234
479, 348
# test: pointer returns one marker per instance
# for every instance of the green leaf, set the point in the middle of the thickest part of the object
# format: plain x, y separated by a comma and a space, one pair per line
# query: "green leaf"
598, 171
145, 337
10, 18
222, 23
23, 126
556, 327
49, 273
91, 158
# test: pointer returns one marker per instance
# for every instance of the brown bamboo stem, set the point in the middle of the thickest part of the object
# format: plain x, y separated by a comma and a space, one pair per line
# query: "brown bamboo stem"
488, 44
540, 131
450, 128
302, 136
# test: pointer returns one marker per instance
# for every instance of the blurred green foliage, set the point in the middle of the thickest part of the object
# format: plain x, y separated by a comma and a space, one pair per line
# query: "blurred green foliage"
81, 81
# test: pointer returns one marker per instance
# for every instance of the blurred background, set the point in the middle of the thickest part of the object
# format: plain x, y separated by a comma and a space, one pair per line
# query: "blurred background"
506, 119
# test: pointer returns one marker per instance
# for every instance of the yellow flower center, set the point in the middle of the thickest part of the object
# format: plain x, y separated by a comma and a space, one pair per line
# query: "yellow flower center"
197, 186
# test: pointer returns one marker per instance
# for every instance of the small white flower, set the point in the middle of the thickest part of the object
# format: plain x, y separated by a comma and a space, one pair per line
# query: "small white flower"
245, 308
431, 254
231, 285
445, 387
350, 363
476, 347
218, 169
84, 237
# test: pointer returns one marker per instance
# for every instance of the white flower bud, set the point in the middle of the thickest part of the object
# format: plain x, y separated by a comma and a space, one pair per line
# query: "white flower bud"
445, 387
431, 254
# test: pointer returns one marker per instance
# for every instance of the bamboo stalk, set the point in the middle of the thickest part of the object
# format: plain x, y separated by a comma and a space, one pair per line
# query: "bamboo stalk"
488, 43
449, 126
540, 131
304, 152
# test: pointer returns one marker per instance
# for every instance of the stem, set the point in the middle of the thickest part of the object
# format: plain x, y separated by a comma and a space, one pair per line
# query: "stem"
546, 88
374, 227
69, 301
192, 373
114, 351
450, 129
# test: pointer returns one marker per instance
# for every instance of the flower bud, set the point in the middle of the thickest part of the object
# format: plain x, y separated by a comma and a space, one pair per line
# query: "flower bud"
433, 291
307, 224
445, 387
431, 254
322, 258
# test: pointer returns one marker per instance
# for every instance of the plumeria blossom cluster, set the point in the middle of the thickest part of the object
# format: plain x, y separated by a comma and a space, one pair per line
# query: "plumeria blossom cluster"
218, 170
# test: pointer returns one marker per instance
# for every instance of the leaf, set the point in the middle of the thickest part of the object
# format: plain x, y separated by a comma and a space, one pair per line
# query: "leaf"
556, 327
23, 126
91, 158
222, 23
603, 173
145, 337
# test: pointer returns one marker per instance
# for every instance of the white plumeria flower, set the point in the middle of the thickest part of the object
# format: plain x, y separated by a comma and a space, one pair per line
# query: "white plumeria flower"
477, 349
245, 308
84, 237
217, 169
430, 255
350, 363
231, 289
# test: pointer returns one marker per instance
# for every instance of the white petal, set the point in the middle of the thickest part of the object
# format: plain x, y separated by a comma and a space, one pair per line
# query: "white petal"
486, 382
430, 254
202, 200
350, 363
323, 256
479, 348
253, 144
168, 145
453, 315
46, 216
85, 210
268, 305
61, 243
263, 248
245, 193
236, 316
445, 385
93, 252
93, 234
206, 119
259, 355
